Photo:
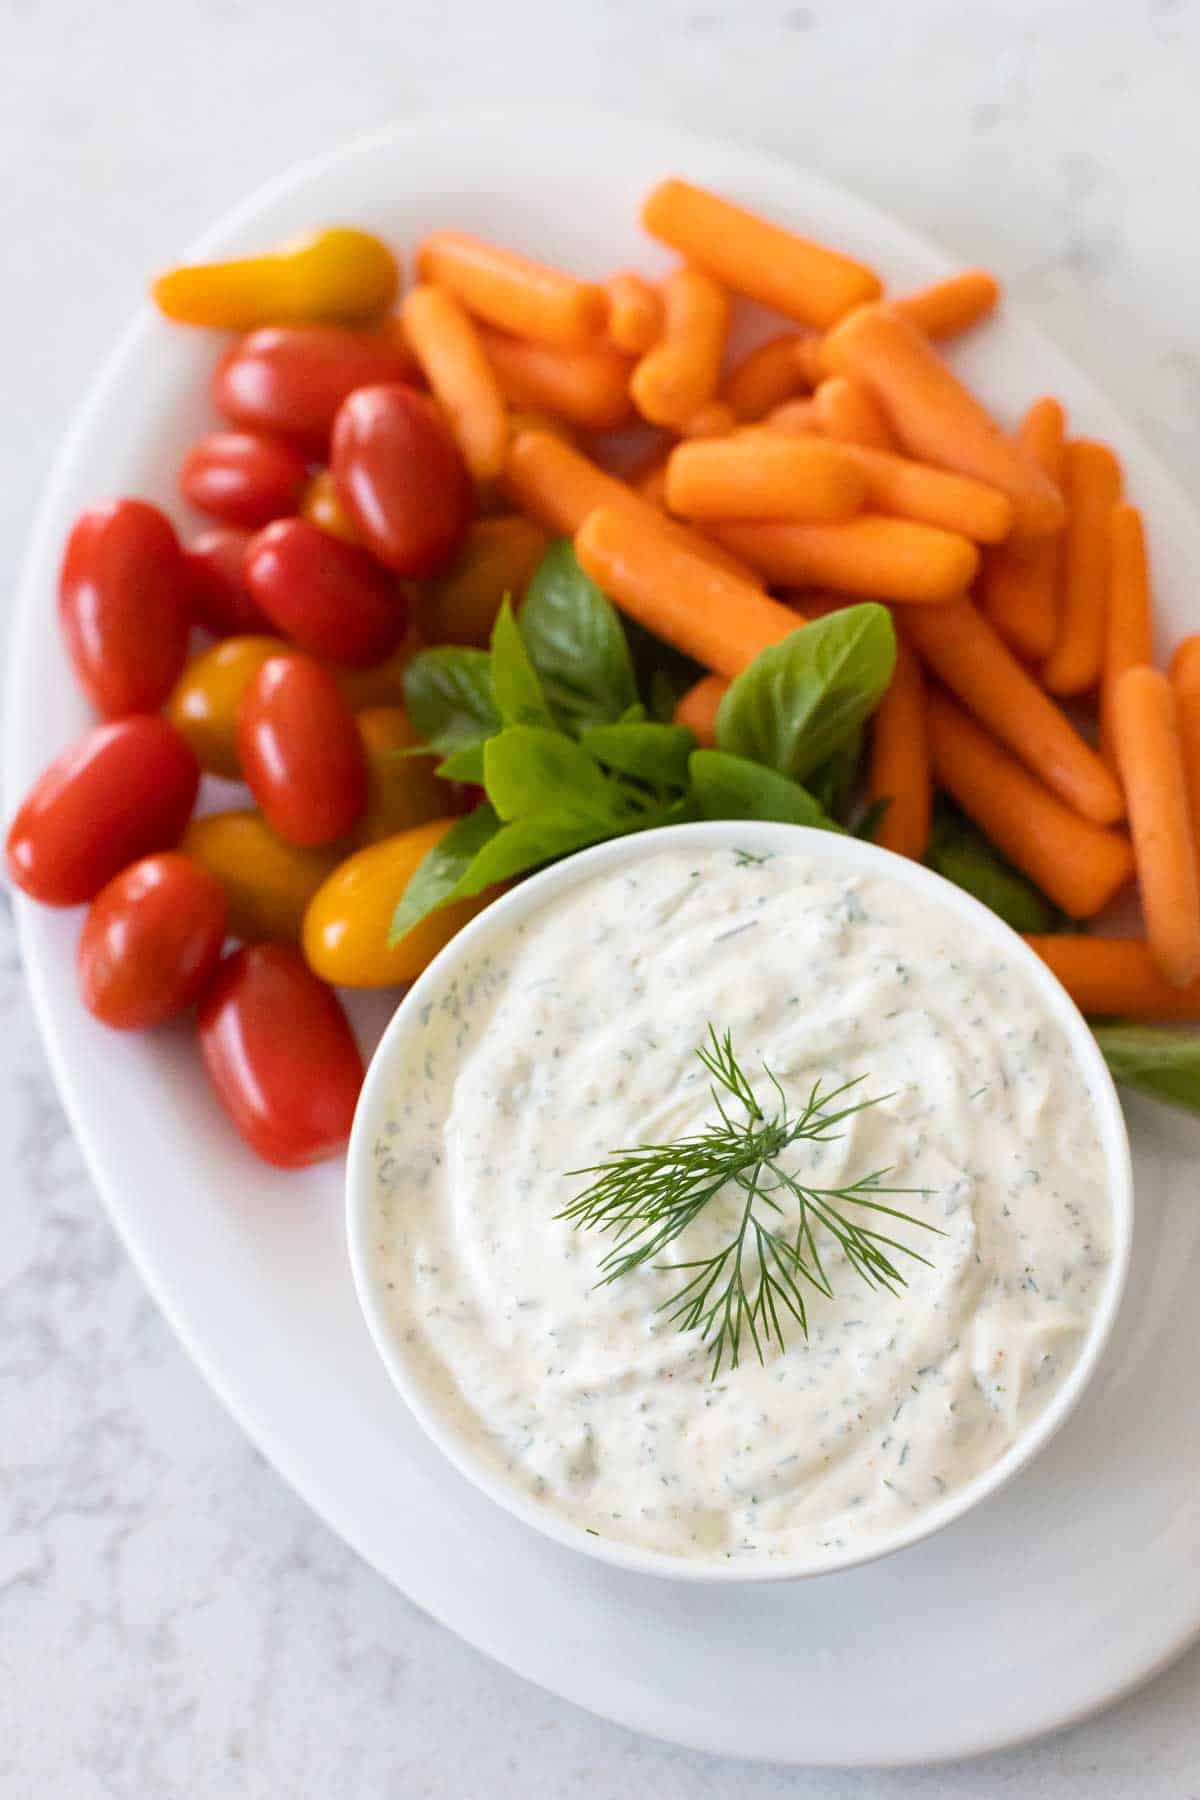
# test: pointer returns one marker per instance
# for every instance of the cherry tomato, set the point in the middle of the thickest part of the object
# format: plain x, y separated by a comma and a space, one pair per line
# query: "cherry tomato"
383, 683
300, 753
124, 606
281, 1055
123, 790
243, 477
402, 791
267, 883
400, 477
150, 941
217, 582
291, 379
497, 557
348, 919
320, 505
204, 703
330, 598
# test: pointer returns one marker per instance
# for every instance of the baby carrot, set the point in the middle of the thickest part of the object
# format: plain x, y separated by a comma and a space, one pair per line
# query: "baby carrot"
587, 387
767, 376
513, 293
1017, 587
635, 312
1115, 978
651, 482
802, 280
758, 475
1146, 740
1127, 627
558, 486
914, 490
963, 650
844, 409
1185, 679
713, 420
446, 344
1080, 865
878, 558
934, 416
680, 374
899, 768
697, 709
795, 417
948, 307
1092, 486
720, 621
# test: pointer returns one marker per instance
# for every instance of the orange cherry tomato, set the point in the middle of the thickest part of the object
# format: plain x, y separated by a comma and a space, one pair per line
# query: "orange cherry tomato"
123, 790
204, 703
330, 598
281, 1055
124, 606
221, 600
402, 791
291, 379
267, 883
243, 478
300, 751
399, 474
497, 558
151, 939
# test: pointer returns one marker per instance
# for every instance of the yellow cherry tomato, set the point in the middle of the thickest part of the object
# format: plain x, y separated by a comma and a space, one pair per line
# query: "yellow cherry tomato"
347, 923
268, 883
341, 276
320, 505
402, 791
383, 683
497, 558
204, 701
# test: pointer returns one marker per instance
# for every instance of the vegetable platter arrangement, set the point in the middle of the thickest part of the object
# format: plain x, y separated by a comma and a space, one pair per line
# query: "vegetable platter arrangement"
528, 559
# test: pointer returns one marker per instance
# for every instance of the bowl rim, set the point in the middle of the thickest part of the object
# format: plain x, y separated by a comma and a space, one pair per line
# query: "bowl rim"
838, 850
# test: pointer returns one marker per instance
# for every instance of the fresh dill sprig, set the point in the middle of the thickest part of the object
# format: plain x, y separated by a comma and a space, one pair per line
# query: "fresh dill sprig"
645, 1196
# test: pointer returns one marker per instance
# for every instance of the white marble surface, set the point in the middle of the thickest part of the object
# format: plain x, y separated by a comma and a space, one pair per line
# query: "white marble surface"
173, 1622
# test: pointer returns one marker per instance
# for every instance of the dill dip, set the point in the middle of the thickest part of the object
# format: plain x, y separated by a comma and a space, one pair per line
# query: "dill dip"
573, 1033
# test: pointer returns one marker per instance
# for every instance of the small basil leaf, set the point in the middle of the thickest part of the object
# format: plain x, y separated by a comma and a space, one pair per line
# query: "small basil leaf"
464, 765
731, 787
438, 877
833, 783
801, 699
964, 856
516, 690
576, 643
663, 673
1165, 1064
528, 770
655, 754
448, 697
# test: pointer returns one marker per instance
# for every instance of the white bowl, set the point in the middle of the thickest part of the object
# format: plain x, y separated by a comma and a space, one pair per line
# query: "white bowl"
529, 898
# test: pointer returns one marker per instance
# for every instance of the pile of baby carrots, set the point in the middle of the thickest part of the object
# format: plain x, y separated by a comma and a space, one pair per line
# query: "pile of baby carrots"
841, 459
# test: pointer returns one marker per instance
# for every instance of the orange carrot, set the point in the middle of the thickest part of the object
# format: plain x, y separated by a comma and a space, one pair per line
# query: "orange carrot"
720, 621
899, 770
963, 650
1115, 978
532, 418
558, 486
1092, 485
800, 279
1185, 679
680, 374
844, 409
1146, 740
587, 387
1017, 588
767, 376
697, 709
882, 559
796, 418
446, 344
759, 475
651, 482
710, 421
513, 293
932, 496
1127, 637
951, 306
934, 416
635, 312
1080, 865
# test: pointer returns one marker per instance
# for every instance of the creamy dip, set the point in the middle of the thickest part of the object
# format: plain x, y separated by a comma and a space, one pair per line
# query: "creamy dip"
574, 1035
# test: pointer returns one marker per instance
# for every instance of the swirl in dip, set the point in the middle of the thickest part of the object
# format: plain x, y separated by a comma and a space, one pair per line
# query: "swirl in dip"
574, 1034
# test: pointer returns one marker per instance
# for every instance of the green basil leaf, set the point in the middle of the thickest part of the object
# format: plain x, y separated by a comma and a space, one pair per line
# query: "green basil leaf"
576, 643
801, 699
832, 785
964, 856
438, 877
528, 770
516, 690
464, 765
655, 754
867, 827
1164, 1064
448, 697
731, 787
662, 673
